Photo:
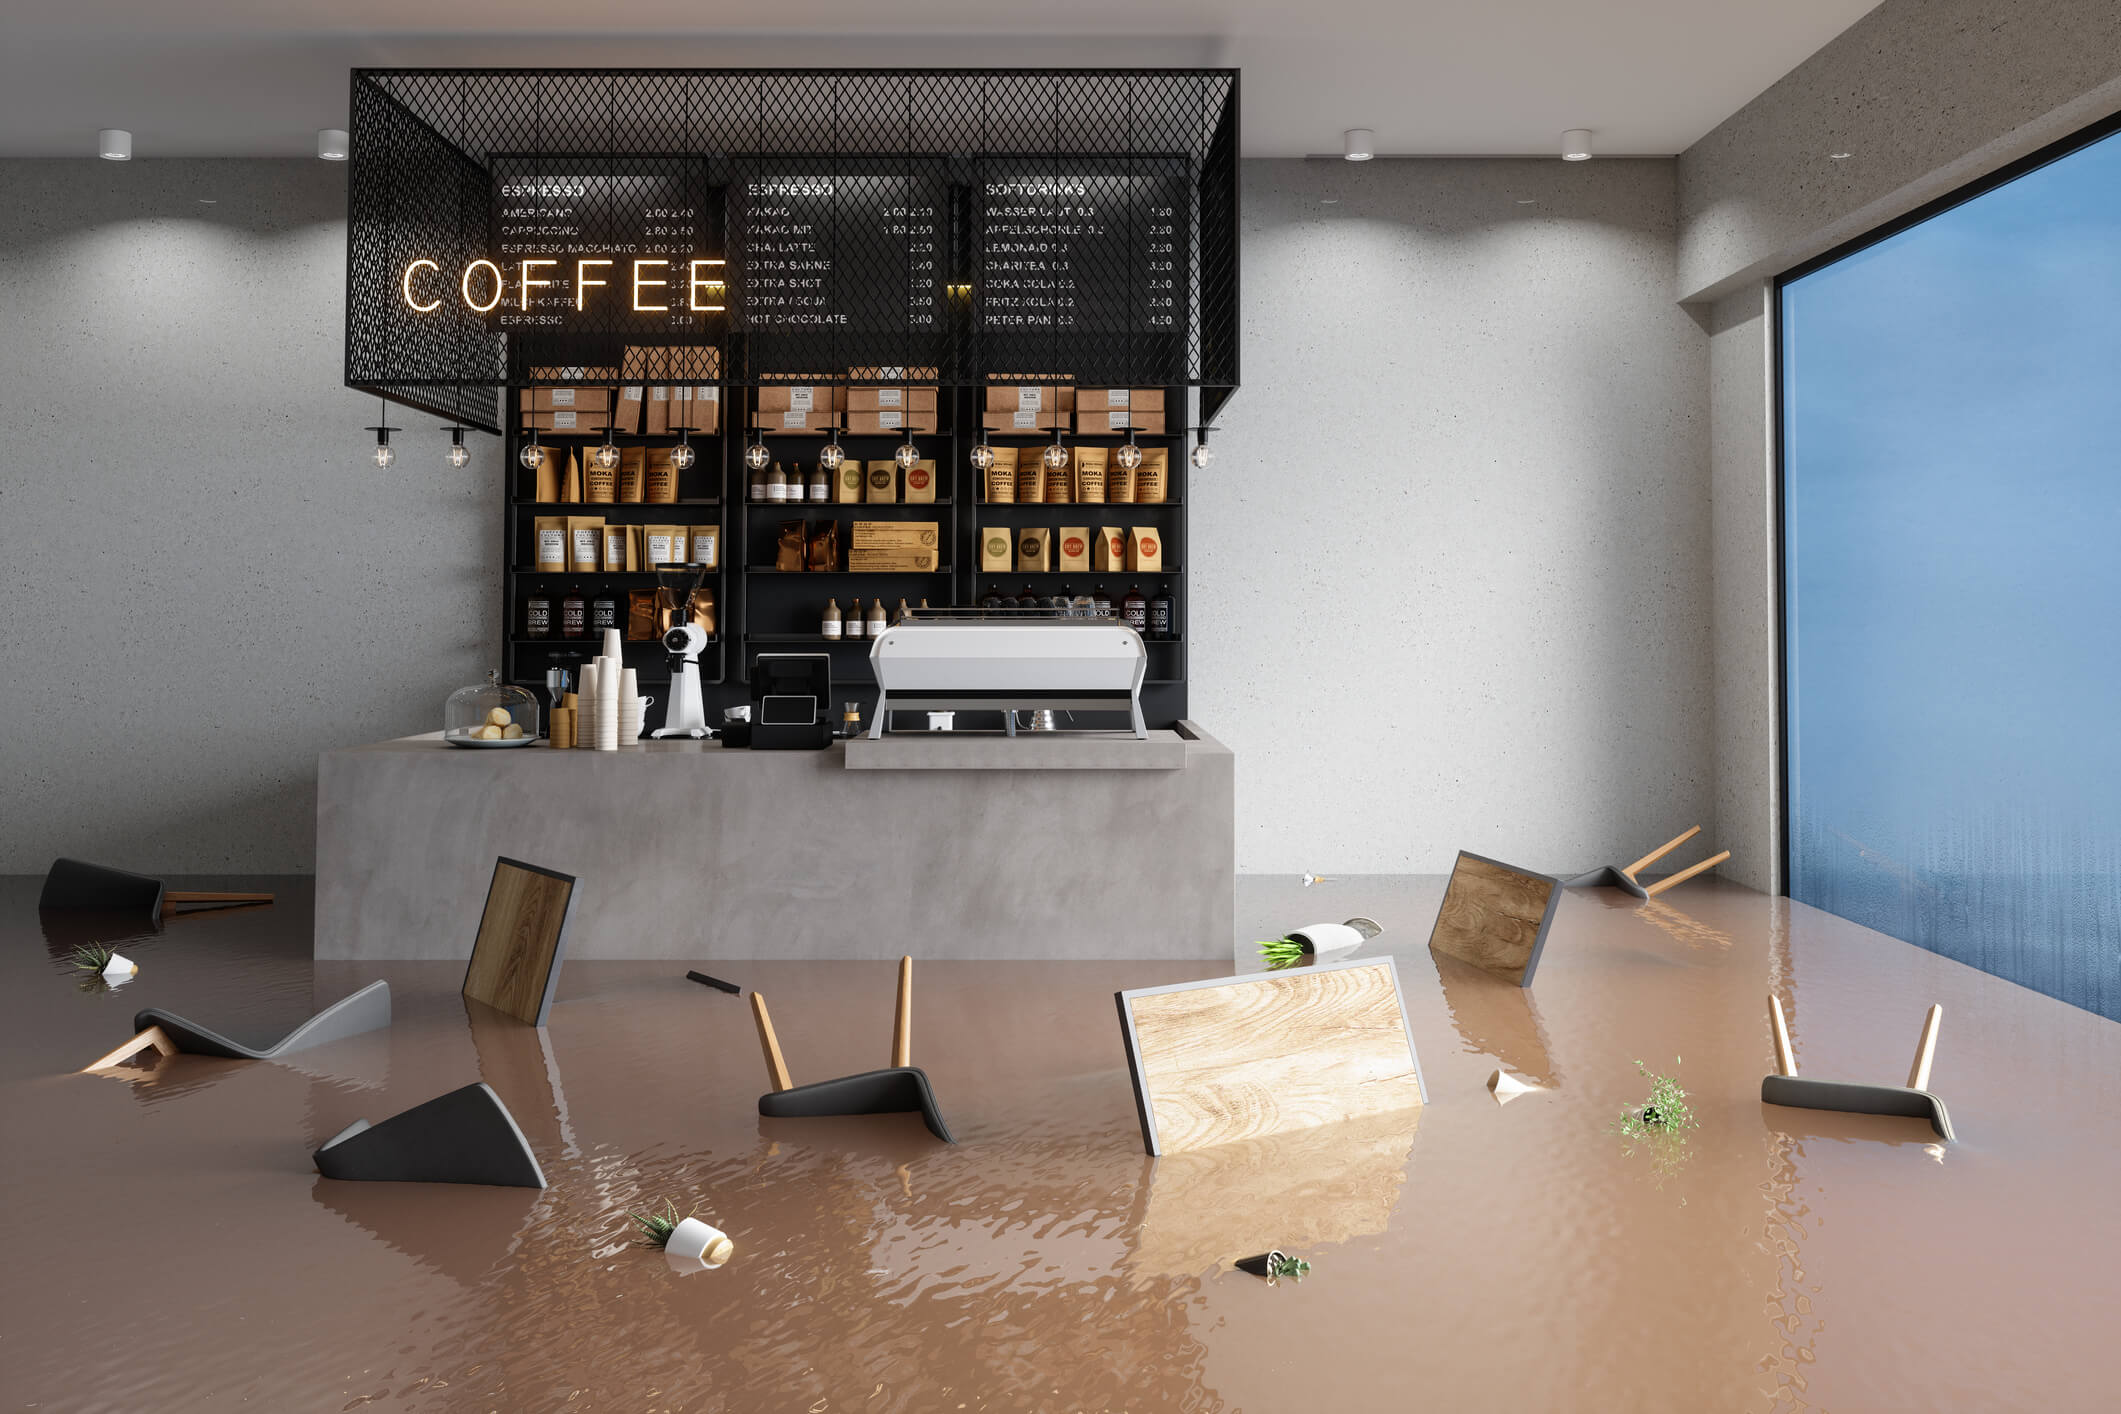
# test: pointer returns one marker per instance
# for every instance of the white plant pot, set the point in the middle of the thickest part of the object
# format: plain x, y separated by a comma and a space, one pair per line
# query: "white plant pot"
1326, 941
120, 970
695, 1239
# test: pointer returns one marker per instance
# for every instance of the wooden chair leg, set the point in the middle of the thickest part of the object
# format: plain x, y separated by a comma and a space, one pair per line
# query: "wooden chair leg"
1673, 881
902, 1019
153, 1036
1785, 1059
1918, 1076
1660, 852
191, 896
776, 1068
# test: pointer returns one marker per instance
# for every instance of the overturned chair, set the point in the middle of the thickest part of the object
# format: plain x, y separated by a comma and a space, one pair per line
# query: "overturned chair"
1911, 1101
366, 1010
71, 886
1616, 877
900, 1089
465, 1136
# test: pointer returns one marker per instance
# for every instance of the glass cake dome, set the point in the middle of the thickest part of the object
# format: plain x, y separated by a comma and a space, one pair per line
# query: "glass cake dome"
490, 713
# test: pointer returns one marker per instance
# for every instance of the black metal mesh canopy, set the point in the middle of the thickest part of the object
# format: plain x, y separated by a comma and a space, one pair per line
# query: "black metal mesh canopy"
531, 226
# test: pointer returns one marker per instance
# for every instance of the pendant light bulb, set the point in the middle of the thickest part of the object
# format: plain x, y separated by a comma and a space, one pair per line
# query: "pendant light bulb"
908, 456
1056, 455
830, 456
756, 455
384, 455
459, 454
607, 456
532, 456
982, 454
1202, 453
1129, 456
682, 456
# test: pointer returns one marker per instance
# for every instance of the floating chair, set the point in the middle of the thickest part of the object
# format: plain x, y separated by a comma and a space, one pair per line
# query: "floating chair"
465, 1136
1912, 1101
1617, 878
71, 886
366, 1010
900, 1089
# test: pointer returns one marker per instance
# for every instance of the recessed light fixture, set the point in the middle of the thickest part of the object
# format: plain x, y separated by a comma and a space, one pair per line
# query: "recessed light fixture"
114, 145
1358, 144
1527, 201
331, 144
1839, 156
1329, 201
1576, 145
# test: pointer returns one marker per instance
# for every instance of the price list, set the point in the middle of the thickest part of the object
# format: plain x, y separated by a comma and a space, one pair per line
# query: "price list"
1097, 252
860, 253
629, 240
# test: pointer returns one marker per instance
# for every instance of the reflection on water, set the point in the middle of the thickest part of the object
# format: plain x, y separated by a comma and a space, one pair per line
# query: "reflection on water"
1792, 1306
1497, 1018
1298, 1191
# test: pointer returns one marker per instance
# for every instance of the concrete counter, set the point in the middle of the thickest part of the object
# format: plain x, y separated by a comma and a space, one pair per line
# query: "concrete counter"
982, 847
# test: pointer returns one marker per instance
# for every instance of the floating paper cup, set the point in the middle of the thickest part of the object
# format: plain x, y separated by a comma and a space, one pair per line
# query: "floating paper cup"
695, 1239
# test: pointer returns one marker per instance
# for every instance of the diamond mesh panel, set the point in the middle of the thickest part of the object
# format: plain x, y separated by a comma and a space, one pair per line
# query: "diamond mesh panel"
767, 225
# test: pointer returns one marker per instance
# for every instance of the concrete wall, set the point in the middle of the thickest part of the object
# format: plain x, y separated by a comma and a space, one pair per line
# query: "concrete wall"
1924, 96
1451, 582
205, 579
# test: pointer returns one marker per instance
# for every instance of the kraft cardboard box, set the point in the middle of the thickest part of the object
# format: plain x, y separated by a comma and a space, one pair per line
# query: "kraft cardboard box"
802, 397
655, 419
792, 421
888, 399
1118, 422
997, 549
556, 399
1030, 397
695, 408
1027, 420
567, 421
894, 535
633, 400
890, 420
1117, 399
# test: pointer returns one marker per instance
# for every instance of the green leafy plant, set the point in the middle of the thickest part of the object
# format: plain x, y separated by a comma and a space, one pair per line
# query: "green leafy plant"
1281, 952
1664, 1113
656, 1225
1281, 1264
93, 958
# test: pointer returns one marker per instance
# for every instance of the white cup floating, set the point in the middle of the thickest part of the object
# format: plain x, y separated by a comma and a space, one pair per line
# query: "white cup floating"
1506, 1087
693, 1240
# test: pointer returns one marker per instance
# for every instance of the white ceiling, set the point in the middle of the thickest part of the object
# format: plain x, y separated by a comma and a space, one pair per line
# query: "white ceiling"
258, 77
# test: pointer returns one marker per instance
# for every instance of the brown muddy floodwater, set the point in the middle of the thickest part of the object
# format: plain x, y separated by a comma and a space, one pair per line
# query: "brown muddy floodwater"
172, 1248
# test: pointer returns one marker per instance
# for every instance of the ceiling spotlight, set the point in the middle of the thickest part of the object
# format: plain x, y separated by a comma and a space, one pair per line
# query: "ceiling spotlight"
459, 454
1358, 144
331, 144
115, 145
1576, 145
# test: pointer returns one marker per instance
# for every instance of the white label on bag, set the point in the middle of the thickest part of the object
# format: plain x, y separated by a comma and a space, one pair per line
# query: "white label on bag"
659, 550
563, 397
888, 398
799, 399
631, 395
891, 419
563, 421
703, 548
585, 547
552, 547
792, 418
1027, 417
1027, 400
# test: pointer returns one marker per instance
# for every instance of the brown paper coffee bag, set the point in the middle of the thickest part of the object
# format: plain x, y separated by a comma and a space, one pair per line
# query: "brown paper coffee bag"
1109, 550
585, 540
1090, 463
1074, 547
1152, 479
997, 549
633, 470
1001, 477
550, 550
1145, 548
618, 549
662, 477
1034, 549
600, 483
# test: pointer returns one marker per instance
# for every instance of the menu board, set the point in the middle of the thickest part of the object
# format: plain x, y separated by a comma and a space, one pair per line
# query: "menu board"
862, 253
1088, 250
597, 249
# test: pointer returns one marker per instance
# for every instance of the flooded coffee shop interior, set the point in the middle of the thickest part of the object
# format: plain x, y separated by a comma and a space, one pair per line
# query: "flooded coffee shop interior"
1202, 708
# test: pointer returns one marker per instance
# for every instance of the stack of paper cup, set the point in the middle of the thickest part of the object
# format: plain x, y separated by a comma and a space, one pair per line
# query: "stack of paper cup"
607, 704
585, 723
629, 706
614, 647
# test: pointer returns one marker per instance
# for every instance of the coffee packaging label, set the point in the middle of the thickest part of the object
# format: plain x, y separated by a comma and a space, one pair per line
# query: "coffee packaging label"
1034, 550
587, 538
1001, 476
1109, 550
617, 547
920, 482
1026, 418
996, 546
1152, 480
799, 399
564, 421
659, 395
1117, 397
633, 471
1074, 547
1145, 548
890, 398
552, 557
851, 482
661, 549
890, 421
795, 419
562, 397
1119, 421
1027, 400
883, 481
1090, 474
706, 543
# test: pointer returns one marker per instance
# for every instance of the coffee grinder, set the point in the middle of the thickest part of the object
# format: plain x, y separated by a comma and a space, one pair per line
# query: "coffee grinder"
686, 712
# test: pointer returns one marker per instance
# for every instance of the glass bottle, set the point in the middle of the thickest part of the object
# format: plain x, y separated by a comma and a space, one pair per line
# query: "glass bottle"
992, 599
574, 615
1082, 606
851, 720
537, 615
1134, 610
820, 487
776, 484
830, 626
904, 613
852, 620
1103, 601
877, 622
603, 610
758, 485
1160, 615
1029, 599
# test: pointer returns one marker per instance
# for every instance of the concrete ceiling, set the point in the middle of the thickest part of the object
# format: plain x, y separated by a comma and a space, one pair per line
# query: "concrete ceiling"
258, 77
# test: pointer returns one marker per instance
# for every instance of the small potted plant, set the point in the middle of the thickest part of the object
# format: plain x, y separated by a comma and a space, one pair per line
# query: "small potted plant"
683, 1237
1323, 941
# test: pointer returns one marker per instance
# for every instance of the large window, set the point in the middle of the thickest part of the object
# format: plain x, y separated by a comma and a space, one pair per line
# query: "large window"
1951, 443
